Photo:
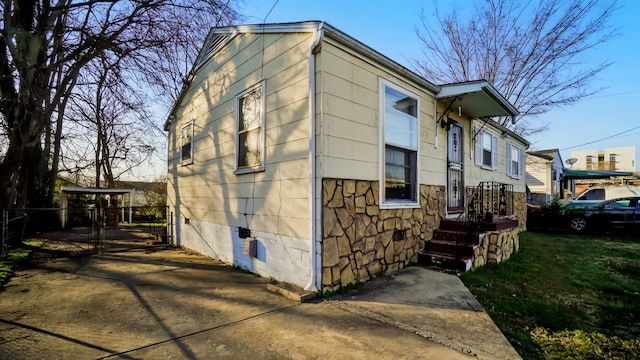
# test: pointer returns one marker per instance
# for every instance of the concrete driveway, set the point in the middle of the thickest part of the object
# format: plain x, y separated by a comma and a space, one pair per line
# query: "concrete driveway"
157, 302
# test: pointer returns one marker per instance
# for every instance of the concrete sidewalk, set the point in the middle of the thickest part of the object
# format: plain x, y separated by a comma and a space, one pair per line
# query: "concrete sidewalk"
165, 303
434, 305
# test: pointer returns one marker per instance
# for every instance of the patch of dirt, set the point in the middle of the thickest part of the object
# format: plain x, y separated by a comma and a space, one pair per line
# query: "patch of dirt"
86, 241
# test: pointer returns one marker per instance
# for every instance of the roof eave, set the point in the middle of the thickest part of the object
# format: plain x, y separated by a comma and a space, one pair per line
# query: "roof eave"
305, 26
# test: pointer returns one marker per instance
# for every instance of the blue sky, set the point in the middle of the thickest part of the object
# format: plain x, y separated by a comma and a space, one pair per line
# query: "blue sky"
389, 27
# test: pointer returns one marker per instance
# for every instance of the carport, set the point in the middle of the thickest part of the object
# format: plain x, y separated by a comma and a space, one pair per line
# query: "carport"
67, 190
570, 176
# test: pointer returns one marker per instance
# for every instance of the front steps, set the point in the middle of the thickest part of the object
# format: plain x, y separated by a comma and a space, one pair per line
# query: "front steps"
452, 247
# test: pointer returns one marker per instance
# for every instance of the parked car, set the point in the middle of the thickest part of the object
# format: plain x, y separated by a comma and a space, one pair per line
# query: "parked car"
597, 194
621, 213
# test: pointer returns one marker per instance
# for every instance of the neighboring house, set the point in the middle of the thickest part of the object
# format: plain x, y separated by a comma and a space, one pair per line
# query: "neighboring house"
610, 159
299, 153
147, 193
544, 176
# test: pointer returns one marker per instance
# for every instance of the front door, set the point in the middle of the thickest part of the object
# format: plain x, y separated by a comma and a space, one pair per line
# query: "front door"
455, 168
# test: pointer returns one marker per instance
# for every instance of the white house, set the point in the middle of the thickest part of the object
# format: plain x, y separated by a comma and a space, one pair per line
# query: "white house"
545, 171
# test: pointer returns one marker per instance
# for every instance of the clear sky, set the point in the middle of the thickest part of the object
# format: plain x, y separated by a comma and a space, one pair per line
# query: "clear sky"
607, 119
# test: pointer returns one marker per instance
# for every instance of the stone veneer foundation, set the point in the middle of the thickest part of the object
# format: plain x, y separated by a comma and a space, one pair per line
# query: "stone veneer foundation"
361, 241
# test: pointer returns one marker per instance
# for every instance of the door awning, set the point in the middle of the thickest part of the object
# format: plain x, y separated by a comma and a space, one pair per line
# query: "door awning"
477, 99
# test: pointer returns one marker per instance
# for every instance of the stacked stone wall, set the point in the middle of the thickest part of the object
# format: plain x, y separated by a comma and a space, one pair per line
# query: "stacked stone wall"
361, 241
496, 246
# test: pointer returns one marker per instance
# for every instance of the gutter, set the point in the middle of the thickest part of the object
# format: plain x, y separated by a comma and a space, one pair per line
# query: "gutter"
315, 262
364, 49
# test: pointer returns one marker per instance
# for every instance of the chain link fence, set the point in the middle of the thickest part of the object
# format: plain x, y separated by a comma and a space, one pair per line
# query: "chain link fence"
85, 230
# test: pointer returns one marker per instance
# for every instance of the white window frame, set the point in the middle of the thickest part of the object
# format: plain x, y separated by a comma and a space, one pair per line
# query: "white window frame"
520, 155
480, 147
385, 203
190, 125
238, 169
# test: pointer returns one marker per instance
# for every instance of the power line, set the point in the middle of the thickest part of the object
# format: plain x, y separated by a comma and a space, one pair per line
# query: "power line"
610, 95
604, 138
270, 10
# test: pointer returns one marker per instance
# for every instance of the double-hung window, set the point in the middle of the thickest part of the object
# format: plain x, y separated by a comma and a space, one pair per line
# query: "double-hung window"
486, 150
250, 139
399, 138
515, 161
186, 144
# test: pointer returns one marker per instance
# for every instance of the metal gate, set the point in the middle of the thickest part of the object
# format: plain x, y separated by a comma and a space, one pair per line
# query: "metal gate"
455, 168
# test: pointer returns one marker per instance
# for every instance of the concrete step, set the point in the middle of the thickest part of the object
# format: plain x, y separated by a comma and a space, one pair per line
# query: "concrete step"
457, 235
444, 261
449, 247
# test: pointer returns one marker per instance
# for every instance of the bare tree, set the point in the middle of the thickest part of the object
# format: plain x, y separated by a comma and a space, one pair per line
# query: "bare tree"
106, 114
533, 52
45, 46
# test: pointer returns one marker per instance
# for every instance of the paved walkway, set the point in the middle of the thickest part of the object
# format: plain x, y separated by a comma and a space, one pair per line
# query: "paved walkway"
148, 303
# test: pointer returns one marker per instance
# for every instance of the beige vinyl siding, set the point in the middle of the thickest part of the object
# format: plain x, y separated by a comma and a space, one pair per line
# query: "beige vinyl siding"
475, 174
277, 199
348, 118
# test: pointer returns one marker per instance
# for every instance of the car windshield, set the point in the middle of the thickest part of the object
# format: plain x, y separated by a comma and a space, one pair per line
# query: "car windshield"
617, 204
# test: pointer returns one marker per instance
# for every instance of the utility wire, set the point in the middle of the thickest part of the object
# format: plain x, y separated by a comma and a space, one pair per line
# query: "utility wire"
269, 13
604, 138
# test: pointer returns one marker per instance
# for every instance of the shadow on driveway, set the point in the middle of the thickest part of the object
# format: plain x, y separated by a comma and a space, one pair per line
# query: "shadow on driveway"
147, 301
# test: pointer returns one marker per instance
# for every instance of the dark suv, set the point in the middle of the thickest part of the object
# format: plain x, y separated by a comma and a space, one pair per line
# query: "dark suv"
622, 213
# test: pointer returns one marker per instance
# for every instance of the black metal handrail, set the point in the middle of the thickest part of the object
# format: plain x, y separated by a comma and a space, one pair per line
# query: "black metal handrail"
490, 199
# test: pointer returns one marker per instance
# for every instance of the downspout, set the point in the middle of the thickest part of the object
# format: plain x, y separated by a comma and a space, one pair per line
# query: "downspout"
315, 48
435, 121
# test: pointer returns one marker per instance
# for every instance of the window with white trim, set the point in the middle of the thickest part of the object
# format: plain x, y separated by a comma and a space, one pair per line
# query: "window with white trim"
399, 135
250, 140
186, 144
486, 150
515, 160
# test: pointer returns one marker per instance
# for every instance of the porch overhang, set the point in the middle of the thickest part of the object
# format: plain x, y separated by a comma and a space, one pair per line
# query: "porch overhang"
477, 99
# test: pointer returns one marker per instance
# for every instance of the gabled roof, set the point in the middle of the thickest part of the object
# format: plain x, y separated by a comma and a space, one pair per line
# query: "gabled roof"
545, 154
479, 99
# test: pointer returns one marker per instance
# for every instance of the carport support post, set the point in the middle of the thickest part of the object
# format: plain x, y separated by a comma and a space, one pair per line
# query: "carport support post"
4, 232
130, 211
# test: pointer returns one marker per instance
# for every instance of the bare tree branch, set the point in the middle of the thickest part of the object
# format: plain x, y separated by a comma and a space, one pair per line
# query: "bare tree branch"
533, 52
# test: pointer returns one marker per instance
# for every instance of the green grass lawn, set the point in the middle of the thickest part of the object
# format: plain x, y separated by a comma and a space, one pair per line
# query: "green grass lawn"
16, 256
565, 295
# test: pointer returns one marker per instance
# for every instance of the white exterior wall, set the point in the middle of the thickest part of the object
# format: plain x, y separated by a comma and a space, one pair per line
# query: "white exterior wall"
625, 158
538, 175
581, 156
543, 186
273, 204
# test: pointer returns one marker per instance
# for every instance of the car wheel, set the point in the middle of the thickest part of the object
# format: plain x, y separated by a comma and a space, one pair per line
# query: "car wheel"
578, 223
